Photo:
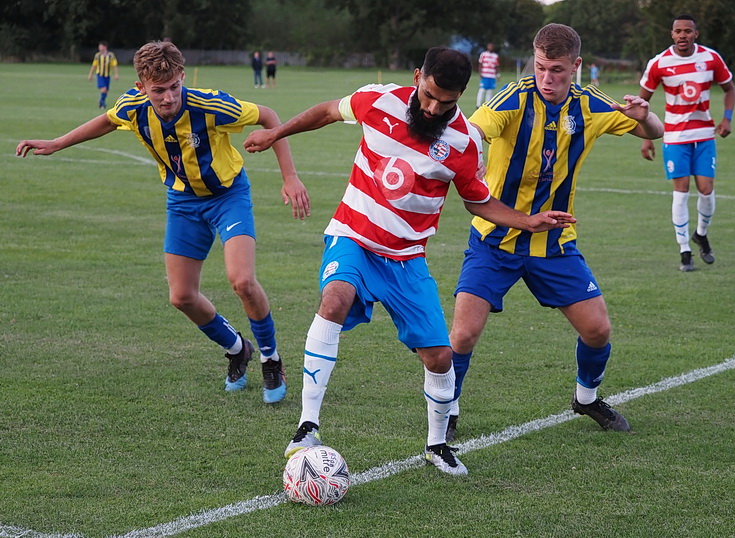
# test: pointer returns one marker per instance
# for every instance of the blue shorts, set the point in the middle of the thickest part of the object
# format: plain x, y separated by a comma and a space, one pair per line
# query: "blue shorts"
487, 83
405, 288
693, 159
192, 222
103, 82
557, 281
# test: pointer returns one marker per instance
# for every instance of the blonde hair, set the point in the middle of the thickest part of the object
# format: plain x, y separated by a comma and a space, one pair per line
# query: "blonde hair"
158, 61
558, 40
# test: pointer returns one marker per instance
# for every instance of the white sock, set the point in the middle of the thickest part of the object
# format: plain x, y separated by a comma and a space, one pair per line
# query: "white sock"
273, 356
705, 211
680, 218
480, 97
320, 357
439, 393
586, 396
235, 349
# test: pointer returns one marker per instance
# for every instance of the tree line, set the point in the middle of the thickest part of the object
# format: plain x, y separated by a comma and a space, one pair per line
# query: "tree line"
396, 33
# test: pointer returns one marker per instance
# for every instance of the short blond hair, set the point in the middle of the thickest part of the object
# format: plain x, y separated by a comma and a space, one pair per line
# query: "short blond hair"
158, 61
558, 40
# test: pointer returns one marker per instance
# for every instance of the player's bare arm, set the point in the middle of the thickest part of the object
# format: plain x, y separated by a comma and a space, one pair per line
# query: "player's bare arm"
497, 212
648, 149
293, 189
94, 128
638, 108
724, 128
311, 119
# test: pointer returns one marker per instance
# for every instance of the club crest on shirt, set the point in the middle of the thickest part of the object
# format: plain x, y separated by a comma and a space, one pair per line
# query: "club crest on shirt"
193, 140
439, 150
569, 124
700, 66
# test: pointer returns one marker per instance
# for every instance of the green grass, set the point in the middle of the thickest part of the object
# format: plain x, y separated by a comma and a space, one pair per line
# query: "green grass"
112, 413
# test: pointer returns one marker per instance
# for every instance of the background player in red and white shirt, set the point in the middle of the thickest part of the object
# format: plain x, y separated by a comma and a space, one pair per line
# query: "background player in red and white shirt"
415, 143
687, 71
488, 65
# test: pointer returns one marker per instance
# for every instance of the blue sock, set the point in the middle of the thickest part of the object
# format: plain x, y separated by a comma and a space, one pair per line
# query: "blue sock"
591, 362
264, 332
461, 362
103, 98
220, 331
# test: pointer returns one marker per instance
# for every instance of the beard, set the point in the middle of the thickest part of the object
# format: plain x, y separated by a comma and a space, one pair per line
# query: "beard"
420, 126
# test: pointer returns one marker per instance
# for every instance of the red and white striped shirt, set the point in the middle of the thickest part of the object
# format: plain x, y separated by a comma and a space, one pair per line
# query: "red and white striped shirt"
489, 63
399, 183
686, 81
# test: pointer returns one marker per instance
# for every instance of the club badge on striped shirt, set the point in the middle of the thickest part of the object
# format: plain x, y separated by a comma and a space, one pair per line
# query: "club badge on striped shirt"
439, 150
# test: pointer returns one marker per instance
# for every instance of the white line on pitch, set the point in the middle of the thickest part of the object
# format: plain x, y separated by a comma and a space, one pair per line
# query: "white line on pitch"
147, 161
262, 502
389, 469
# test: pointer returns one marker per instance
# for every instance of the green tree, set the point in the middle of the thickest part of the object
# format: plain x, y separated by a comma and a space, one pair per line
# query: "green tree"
203, 24
309, 27
390, 26
714, 20
604, 25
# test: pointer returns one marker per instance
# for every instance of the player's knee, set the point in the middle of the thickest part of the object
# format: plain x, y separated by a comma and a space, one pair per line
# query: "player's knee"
183, 301
246, 287
463, 339
437, 360
598, 335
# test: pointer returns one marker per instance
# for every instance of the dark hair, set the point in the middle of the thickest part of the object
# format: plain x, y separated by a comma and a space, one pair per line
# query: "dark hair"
686, 17
558, 40
450, 68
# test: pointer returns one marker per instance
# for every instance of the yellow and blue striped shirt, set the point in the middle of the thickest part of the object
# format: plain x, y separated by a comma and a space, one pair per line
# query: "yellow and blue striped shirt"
536, 152
104, 63
193, 151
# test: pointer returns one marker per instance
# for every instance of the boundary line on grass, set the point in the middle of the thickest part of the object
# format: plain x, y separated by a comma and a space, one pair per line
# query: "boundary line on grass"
263, 502
148, 161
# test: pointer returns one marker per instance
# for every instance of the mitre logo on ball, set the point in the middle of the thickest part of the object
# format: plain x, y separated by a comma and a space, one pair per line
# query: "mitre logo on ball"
317, 475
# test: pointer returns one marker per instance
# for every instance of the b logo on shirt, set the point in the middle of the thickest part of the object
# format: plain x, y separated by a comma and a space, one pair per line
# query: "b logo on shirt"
690, 91
395, 177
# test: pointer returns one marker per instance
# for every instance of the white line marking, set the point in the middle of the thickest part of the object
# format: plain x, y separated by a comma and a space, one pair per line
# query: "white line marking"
147, 161
262, 502
627, 191
136, 158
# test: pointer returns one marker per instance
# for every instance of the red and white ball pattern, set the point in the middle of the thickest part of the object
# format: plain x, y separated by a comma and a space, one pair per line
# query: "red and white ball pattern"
316, 475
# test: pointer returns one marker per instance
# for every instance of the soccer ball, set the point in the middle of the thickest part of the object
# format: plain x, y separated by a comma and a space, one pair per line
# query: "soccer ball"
316, 475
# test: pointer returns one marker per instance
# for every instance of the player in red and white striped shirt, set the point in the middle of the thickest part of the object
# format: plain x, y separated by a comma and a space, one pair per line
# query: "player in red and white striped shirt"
415, 143
488, 65
687, 71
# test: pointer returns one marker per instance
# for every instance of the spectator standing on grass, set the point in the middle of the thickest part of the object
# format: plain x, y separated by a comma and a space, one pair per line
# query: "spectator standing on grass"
488, 65
687, 71
187, 131
270, 69
540, 130
415, 143
104, 64
257, 64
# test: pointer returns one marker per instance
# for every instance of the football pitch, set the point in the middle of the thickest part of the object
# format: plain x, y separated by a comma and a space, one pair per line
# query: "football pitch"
113, 417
